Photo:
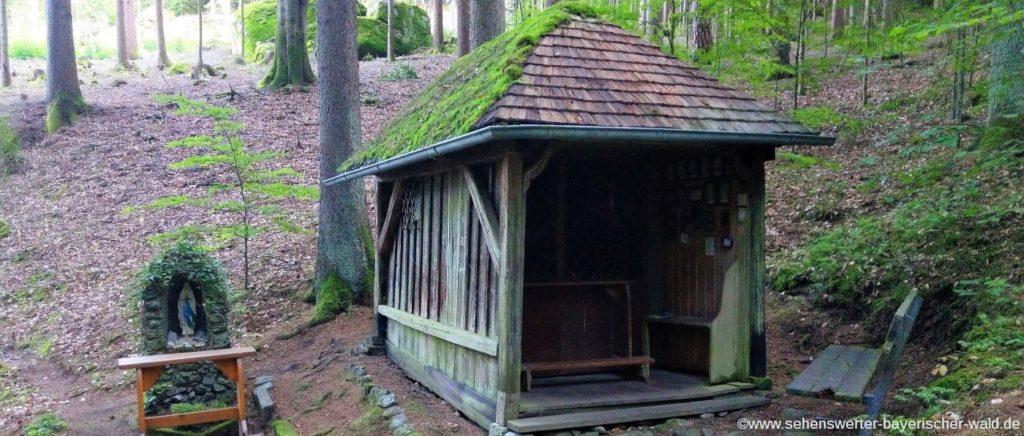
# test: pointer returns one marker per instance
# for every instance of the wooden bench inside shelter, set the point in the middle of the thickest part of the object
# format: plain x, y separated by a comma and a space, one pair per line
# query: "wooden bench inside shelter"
593, 364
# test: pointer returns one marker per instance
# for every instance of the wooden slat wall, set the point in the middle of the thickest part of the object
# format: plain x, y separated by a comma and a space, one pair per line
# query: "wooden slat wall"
440, 269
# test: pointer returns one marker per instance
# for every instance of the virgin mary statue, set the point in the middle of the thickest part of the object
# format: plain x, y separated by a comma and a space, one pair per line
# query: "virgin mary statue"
187, 311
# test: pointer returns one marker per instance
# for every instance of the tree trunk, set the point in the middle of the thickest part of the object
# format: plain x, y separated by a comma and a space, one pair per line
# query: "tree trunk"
241, 24
122, 37
704, 36
63, 96
486, 21
291, 61
888, 12
200, 66
162, 61
343, 234
462, 27
131, 36
838, 19
1006, 75
5, 61
439, 25
391, 30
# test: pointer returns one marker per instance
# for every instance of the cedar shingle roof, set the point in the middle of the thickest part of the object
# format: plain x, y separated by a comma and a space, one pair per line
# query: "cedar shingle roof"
595, 74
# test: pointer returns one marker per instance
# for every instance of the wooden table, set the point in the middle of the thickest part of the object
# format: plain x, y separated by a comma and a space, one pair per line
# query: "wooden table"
228, 361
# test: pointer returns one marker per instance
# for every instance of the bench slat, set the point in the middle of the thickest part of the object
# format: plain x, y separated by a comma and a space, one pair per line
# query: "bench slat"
609, 362
179, 358
690, 321
804, 383
838, 371
851, 389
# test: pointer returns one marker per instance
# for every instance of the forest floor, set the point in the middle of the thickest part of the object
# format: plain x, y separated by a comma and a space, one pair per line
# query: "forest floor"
67, 267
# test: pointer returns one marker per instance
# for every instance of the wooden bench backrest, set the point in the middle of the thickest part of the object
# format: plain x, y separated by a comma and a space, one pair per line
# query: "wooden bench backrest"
899, 330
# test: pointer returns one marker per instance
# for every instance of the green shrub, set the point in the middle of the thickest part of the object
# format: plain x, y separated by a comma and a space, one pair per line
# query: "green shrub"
411, 25
45, 425
27, 49
186, 7
179, 68
95, 51
401, 71
10, 148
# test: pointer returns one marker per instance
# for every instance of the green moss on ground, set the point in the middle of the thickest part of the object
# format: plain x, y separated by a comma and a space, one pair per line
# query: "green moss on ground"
5, 229
179, 68
455, 101
334, 297
63, 111
284, 428
46, 424
10, 148
411, 24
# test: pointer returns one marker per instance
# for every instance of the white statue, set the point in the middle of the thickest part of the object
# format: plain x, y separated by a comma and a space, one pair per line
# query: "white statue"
187, 311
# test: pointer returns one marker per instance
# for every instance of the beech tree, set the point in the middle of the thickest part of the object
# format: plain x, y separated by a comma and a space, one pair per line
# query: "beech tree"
438, 31
5, 61
1006, 75
486, 20
63, 96
391, 30
462, 27
291, 61
200, 66
162, 60
122, 36
343, 234
131, 34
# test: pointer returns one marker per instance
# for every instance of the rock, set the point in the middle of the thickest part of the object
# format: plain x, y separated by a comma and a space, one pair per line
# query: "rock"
601, 430
398, 421
791, 414
358, 371
262, 380
264, 403
722, 413
707, 415
404, 430
996, 401
392, 411
496, 430
119, 83
387, 400
1020, 404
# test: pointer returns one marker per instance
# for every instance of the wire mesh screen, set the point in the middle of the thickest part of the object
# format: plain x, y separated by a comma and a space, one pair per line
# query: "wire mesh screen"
585, 221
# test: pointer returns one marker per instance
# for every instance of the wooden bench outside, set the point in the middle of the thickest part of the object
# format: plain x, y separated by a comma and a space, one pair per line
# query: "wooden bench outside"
149, 368
668, 319
845, 373
595, 364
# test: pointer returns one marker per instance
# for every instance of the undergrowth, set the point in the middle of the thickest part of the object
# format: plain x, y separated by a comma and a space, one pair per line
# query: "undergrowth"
10, 148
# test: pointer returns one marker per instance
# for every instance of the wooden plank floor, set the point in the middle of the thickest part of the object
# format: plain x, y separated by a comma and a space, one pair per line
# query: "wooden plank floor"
559, 394
631, 414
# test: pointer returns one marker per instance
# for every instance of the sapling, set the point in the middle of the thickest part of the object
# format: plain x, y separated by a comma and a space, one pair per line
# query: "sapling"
251, 189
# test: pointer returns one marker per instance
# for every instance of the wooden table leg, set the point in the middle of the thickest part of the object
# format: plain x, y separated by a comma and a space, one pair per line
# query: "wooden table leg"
240, 394
141, 398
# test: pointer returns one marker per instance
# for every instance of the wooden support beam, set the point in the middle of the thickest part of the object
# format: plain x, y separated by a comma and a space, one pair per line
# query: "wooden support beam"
538, 167
488, 219
391, 220
473, 341
191, 418
512, 234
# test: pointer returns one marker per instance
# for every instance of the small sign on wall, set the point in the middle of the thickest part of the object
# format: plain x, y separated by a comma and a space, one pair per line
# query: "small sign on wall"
709, 246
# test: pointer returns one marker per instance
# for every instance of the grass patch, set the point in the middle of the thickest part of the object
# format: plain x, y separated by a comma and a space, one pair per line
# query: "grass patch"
179, 68
803, 161
10, 148
401, 71
817, 118
196, 407
23, 49
46, 424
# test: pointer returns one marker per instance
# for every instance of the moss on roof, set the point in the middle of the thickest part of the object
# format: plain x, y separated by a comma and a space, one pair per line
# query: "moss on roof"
455, 101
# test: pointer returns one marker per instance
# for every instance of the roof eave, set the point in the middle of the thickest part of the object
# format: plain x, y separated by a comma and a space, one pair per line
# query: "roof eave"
538, 132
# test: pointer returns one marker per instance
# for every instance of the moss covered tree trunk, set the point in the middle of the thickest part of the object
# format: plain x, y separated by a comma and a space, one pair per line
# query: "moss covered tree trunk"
162, 60
291, 61
5, 58
486, 20
63, 96
1006, 75
344, 245
462, 27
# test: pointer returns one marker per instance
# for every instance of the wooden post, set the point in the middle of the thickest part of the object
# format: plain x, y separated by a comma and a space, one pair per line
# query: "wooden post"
379, 269
141, 399
240, 394
758, 342
512, 234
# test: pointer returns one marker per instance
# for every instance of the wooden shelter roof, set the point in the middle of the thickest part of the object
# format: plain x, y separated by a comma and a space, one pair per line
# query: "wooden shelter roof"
591, 73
